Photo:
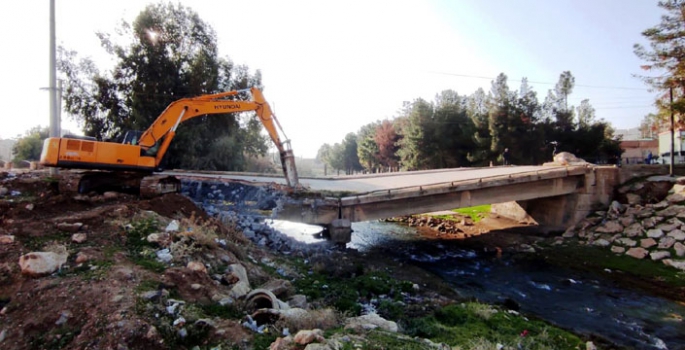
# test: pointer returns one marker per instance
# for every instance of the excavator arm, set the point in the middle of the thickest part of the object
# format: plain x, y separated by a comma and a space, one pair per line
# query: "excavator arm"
163, 129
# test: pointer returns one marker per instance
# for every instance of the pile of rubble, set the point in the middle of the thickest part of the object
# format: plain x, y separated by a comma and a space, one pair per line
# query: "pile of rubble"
649, 225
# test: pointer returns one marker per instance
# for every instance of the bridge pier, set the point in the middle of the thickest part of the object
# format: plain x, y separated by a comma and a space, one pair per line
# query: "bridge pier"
340, 231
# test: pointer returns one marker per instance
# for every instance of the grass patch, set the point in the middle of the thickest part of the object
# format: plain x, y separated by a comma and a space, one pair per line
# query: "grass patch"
461, 324
95, 270
597, 259
140, 250
36, 243
476, 213
344, 291
229, 312
379, 340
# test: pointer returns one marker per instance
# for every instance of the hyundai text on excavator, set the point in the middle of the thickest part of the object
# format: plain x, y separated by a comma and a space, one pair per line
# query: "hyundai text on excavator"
132, 162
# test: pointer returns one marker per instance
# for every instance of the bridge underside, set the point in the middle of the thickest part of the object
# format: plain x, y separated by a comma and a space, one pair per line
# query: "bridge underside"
549, 198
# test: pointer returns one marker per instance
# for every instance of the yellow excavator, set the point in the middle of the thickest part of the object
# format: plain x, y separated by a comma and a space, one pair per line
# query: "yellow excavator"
131, 163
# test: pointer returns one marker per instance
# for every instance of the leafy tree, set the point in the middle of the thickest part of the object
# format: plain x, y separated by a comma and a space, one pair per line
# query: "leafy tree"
564, 114
501, 114
386, 139
350, 154
564, 88
586, 114
477, 111
665, 55
171, 54
367, 148
652, 124
343, 155
527, 137
324, 153
414, 151
452, 131
336, 158
30, 146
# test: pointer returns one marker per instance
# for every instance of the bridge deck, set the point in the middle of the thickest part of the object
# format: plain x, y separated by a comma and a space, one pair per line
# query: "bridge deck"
361, 184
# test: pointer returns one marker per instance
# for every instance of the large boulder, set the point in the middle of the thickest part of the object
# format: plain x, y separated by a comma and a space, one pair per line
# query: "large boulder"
38, 264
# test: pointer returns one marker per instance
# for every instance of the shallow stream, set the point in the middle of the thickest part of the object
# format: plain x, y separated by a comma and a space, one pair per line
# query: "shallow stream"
580, 302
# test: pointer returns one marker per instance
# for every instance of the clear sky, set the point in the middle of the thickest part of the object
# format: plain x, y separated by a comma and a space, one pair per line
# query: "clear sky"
330, 67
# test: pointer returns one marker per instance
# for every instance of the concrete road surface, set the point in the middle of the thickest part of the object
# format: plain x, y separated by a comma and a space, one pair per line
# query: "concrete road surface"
376, 182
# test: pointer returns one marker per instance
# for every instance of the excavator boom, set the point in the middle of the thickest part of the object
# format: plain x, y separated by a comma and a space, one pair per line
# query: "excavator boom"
146, 154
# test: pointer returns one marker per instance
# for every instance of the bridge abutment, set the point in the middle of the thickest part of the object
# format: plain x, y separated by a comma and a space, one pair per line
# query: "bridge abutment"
553, 214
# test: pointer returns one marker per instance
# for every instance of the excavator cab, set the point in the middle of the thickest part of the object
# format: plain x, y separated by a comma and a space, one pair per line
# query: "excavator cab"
132, 137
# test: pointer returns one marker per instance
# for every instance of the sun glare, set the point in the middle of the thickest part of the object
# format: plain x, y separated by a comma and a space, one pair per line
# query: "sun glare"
153, 35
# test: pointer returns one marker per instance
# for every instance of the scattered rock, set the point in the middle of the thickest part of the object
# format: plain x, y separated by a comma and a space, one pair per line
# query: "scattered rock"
647, 243
618, 250
38, 264
660, 254
369, 322
678, 235
679, 249
197, 266
678, 264
69, 227
305, 337
655, 233
637, 253
6, 239
79, 237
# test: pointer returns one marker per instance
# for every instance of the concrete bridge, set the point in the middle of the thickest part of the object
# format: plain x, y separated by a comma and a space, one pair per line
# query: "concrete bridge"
553, 196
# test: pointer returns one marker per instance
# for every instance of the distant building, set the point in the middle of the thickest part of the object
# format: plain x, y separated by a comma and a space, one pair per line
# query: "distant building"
665, 147
635, 147
628, 134
6, 149
636, 151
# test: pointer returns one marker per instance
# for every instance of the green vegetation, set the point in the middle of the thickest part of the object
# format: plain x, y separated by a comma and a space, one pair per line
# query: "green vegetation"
139, 249
222, 311
597, 259
35, 243
344, 291
95, 270
57, 338
463, 324
476, 213
28, 148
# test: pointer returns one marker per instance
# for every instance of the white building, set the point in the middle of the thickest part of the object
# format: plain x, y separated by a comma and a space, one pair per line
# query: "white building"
665, 147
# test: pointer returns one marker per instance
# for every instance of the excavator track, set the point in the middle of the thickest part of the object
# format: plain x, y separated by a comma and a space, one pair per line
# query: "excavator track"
157, 185
145, 184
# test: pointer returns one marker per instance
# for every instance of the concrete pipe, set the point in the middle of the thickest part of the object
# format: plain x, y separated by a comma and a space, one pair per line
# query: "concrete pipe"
263, 299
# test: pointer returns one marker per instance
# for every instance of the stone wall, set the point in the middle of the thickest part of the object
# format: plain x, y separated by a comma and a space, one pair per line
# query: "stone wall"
646, 228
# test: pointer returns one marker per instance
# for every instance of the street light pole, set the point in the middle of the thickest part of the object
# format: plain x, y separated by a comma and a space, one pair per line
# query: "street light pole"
54, 115
670, 168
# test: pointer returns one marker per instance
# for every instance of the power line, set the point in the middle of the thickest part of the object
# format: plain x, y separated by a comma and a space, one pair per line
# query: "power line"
540, 82
626, 107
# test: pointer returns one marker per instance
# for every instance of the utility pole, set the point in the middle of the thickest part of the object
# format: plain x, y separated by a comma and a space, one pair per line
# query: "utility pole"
54, 112
670, 168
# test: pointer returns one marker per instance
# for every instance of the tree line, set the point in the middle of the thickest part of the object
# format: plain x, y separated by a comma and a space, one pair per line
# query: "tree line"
457, 130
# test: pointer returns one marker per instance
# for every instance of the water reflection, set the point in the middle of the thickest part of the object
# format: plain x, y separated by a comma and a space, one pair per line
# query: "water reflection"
301, 232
